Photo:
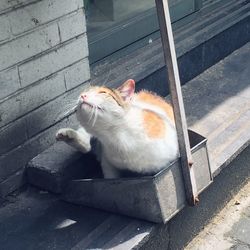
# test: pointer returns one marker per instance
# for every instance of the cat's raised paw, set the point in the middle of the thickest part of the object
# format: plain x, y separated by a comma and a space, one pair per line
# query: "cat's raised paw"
65, 134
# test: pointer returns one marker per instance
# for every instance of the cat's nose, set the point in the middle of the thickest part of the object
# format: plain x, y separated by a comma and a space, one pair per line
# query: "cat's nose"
84, 97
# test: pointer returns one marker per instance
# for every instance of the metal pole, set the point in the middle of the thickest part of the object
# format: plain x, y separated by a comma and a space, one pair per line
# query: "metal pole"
177, 100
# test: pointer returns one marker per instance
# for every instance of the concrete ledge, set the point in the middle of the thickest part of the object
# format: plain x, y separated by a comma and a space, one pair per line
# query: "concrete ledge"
59, 163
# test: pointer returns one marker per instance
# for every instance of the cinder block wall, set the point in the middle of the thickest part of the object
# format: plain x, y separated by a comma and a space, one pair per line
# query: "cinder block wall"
43, 66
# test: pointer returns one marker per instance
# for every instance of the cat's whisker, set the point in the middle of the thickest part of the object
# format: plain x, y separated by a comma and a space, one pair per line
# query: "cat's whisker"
67, 112
95, 117
73, 102
91, 115
71, 110
94, 111
70, 105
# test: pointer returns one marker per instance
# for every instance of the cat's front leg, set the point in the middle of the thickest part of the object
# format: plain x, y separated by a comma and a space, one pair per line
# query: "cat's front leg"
78, 139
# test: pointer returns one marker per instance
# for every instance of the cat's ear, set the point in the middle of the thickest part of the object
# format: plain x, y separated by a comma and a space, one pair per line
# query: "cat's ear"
127, 89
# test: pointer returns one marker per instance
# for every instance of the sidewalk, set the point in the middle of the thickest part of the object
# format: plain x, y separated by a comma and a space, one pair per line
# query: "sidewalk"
230, 229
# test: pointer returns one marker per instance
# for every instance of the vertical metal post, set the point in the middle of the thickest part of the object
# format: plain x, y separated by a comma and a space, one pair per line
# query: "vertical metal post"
177, 100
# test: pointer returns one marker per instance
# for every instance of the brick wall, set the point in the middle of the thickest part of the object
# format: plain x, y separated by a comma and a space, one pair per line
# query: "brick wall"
43, 65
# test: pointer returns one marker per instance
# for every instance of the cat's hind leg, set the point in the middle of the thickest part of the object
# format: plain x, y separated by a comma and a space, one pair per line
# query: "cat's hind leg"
78, 139
109, 172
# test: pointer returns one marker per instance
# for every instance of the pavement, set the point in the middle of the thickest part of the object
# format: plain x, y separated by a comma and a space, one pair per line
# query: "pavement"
230, 228
186, 229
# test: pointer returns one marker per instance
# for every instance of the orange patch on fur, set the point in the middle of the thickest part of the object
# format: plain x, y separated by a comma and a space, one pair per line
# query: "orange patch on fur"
156, 101
153, 124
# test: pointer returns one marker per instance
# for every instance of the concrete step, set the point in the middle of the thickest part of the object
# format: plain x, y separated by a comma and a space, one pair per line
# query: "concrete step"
50, 169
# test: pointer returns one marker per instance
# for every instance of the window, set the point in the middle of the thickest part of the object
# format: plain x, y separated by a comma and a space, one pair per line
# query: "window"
114, 24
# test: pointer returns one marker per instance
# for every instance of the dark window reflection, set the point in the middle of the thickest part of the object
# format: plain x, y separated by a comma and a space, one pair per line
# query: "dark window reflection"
105, 14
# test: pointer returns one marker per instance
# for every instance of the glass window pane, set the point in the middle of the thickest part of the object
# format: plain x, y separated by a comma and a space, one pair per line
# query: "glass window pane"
105, 14
114, 24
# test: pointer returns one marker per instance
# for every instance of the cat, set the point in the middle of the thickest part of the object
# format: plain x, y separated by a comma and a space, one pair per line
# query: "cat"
136, 130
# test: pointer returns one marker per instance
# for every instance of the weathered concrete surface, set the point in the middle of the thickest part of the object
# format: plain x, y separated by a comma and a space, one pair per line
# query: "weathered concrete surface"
61, 165
38, 220
217, 105
192, 220
230, 228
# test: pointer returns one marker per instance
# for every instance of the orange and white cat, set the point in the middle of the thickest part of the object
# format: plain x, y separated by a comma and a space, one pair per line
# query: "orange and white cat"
136, 130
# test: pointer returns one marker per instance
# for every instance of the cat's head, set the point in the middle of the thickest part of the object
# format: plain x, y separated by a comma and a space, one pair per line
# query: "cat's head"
102, 106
